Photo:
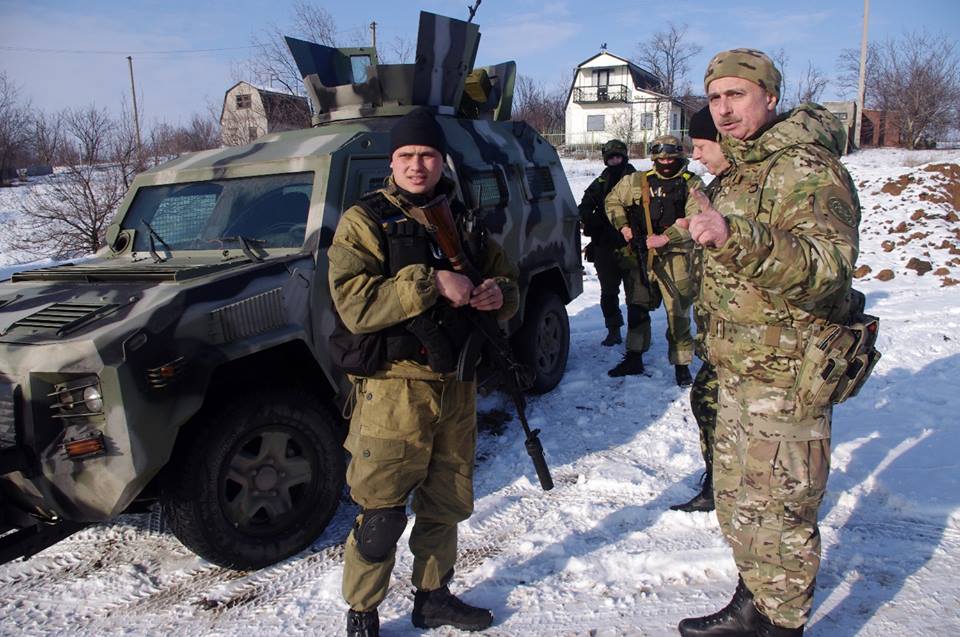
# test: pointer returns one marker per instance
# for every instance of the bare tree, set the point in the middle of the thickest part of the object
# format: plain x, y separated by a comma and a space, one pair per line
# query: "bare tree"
272, 65
848, 79
15, 122
781, 60
811, 85
919, 80
538, 106
400, 51
47, 138
91, 128
667, 55
69, 218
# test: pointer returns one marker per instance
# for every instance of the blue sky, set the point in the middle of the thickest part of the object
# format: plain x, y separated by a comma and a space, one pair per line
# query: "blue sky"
545, 37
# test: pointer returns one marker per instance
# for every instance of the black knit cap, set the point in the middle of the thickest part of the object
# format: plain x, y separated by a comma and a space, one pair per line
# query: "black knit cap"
702, 126
418, 128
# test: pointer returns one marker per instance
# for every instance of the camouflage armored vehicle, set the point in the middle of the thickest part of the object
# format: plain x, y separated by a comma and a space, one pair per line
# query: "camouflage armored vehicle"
187, 362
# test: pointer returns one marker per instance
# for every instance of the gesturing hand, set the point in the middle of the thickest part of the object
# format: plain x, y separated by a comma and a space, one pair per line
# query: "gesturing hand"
709, 228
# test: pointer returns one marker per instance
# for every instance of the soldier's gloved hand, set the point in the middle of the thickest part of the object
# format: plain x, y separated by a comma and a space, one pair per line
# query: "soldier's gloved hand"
454, 287
655, 241
709, 228
487, 296
627, 233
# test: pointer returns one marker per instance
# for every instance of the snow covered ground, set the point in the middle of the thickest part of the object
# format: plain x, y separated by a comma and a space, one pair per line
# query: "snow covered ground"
601, 554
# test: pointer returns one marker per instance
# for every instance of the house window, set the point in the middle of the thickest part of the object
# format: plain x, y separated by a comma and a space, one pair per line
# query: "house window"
646, 121
244, 100
601, 77
252, 133
841, 115
596, 123
675, 118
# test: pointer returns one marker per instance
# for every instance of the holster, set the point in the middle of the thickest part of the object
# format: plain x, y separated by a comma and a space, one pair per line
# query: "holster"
441, 356
838, 362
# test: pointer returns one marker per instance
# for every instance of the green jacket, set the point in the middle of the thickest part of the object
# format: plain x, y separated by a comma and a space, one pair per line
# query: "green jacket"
793, 215
368, 300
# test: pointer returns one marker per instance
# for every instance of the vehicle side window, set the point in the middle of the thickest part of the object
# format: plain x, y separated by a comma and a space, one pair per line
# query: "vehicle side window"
487, 189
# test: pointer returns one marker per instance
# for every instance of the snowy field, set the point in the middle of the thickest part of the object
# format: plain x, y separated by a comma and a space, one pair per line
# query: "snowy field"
601, 554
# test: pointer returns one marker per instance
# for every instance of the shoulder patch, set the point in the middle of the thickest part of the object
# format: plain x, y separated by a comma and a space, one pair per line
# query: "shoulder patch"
836, 202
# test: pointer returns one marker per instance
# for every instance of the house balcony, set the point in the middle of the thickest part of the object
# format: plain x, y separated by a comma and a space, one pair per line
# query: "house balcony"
600, 94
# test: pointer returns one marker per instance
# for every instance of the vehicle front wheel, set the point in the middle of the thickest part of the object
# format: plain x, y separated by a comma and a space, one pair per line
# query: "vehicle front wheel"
259, 483
543, 342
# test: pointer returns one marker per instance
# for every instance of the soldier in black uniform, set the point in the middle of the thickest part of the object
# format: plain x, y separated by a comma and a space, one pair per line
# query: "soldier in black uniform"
604, 238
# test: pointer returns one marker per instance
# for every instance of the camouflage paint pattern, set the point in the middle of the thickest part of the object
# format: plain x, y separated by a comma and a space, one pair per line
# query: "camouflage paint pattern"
748, 64
144, 314
784, 272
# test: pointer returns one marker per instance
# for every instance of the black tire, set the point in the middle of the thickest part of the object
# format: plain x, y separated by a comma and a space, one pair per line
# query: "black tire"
259, 482
543, 341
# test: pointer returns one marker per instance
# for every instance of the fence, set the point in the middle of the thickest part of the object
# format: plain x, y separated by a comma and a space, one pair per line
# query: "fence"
587, 145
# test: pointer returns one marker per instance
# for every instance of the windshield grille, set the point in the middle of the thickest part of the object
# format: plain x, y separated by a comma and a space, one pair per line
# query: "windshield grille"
8, 423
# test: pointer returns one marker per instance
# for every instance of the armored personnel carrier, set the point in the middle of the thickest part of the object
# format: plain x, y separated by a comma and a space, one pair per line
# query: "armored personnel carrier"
187, 362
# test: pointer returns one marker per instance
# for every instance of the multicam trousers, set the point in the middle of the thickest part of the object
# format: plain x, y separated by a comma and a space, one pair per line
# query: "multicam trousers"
410, 436
768, 489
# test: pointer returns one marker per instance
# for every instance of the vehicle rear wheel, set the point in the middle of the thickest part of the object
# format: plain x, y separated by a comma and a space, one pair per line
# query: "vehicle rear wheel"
543, 342
259, 483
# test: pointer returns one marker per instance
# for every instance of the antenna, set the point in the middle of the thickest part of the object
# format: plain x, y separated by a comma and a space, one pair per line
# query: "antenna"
473, 10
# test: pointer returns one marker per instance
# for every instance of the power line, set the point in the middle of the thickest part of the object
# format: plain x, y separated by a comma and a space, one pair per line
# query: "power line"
123, 52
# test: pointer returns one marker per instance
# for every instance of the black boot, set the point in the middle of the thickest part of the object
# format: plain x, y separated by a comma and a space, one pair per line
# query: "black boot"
363, 624
440, 608
682, 373
631, 365
739, 618
766, 628
703, 501
612, 338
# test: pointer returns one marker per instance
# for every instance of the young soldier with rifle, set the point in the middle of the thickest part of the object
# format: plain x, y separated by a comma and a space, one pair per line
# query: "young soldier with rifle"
413, 428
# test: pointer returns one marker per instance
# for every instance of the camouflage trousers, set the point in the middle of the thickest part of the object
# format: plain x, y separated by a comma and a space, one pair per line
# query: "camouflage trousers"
703, 403
677, 297
768, 490
410, 436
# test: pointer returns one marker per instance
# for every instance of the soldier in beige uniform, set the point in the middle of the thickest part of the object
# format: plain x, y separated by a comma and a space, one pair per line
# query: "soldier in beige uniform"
413, 429
780, 244
651, 201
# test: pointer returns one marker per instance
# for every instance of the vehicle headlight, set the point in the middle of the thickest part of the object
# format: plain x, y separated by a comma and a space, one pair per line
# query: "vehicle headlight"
93, 399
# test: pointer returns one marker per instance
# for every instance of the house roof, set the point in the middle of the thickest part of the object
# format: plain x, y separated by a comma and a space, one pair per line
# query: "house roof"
274, 102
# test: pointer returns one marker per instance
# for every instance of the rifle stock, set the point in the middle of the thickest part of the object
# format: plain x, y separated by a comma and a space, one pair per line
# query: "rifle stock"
439, 222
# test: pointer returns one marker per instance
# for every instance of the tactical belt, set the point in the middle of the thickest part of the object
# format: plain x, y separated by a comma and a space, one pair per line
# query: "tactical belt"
779, 336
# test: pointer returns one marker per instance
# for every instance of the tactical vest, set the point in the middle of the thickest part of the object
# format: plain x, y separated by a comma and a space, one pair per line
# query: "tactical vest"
668, 197
433, 338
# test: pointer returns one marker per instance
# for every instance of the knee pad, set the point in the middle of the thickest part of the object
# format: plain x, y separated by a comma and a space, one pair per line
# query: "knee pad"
636, 316
379, 531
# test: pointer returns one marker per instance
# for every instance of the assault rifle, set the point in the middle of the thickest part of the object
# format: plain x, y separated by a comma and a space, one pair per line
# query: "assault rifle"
438, 221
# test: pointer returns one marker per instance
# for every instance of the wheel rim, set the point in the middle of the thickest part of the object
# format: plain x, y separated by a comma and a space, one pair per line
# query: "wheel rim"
549, 342
267, 478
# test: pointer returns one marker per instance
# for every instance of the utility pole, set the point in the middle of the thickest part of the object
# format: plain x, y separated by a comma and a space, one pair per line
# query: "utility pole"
136, 116
373, 31
861, 87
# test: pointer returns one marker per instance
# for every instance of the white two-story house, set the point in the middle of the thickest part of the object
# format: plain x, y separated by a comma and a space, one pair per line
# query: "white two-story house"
611, 97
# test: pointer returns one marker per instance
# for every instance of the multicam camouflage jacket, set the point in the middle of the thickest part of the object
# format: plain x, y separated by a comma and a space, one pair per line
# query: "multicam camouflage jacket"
793, 215
367, 300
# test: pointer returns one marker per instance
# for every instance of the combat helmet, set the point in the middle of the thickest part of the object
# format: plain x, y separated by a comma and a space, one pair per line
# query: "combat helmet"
666, 146
613, 147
